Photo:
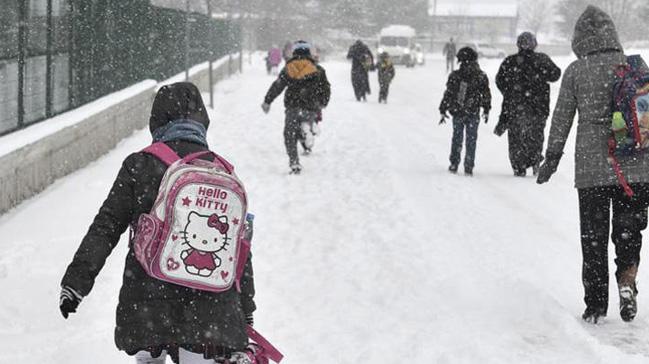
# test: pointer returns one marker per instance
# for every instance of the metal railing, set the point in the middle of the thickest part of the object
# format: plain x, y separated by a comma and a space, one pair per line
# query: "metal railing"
56, 55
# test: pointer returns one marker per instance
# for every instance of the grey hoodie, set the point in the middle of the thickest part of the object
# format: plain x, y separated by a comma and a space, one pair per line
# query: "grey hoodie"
587, 87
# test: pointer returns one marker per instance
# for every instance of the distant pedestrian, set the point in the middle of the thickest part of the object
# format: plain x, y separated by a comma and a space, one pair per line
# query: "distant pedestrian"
362, 62
523, 79
467, 91
386, 74
274, 59
450, 50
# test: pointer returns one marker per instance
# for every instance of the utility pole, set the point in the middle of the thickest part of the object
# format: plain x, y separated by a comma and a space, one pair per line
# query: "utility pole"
241, 16
432, 31
211, 52
187, 29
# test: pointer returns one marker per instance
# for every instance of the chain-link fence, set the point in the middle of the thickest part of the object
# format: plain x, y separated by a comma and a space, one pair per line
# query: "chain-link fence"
59, 54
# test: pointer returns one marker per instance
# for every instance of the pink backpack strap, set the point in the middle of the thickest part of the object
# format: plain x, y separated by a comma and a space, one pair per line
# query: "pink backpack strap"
163, 152
617, 169
272, 352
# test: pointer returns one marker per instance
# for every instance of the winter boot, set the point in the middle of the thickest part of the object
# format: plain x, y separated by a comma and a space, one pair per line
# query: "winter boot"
593, 315
452, 168
296, 168
628, 293
468, 172
520, 173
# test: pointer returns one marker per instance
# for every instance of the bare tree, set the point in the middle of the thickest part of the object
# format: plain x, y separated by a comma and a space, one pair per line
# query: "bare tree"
535, 15
625, 13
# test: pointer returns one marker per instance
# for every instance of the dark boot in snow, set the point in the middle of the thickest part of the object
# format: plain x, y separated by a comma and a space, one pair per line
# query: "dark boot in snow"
593, 315
628, 293
296, 168
452, 168
468, 172
520, 173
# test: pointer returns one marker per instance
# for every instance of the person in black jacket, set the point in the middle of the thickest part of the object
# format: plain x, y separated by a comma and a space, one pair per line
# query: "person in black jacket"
155, 318
362, 62
386, 74
523, 80
307, 92
467, 90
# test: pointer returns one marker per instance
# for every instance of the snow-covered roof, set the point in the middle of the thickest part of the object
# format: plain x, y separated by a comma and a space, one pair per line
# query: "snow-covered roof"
398, 31
474, 8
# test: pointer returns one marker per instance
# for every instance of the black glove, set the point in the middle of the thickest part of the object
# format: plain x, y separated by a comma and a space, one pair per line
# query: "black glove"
548, 167
69, 301
444, 117
250, 320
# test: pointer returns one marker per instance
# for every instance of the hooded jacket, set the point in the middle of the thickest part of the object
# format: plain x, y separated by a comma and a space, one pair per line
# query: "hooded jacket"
151, 313
467, 90
523, 79
306, 85
587, 86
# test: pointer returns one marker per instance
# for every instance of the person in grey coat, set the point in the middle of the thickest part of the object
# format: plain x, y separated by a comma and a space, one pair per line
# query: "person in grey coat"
587, 86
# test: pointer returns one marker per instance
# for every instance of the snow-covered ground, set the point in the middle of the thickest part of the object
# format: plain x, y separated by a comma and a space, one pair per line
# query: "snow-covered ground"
374, 255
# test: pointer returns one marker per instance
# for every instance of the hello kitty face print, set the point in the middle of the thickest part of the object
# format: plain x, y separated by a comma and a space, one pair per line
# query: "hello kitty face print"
204, 236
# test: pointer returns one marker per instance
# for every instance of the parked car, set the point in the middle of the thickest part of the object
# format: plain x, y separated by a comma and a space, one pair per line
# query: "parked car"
487, 50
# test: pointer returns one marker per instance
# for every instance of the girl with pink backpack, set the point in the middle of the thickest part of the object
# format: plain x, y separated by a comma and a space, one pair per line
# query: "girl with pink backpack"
188, 286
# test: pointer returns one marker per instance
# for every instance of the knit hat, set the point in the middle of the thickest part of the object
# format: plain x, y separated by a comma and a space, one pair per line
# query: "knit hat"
526, 41
467, 54
301, 48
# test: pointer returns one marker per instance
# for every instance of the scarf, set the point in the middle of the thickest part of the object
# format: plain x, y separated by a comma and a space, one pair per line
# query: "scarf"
181, 129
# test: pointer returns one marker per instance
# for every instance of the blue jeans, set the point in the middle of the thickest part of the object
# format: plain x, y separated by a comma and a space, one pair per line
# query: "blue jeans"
468, 124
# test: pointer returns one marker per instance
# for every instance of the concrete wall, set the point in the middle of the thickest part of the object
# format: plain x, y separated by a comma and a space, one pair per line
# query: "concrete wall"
28, 170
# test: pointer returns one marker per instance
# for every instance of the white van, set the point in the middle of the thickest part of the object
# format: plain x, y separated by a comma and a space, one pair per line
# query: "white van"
399, 42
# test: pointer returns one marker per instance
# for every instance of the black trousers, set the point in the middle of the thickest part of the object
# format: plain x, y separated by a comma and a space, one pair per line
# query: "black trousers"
629, 220
385, 89
525, 136
293, 130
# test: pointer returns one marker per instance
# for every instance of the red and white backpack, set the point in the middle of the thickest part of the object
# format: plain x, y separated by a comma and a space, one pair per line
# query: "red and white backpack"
194, 235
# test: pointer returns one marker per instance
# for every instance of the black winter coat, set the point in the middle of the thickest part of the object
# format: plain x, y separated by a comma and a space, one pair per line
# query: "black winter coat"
152, 313
306, 83
523, 80
362, 62
467, 90
386, 72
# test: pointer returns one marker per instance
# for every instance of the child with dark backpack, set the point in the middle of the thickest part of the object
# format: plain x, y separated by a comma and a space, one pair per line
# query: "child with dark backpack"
187, 288
307, 93
467, 91
386, 74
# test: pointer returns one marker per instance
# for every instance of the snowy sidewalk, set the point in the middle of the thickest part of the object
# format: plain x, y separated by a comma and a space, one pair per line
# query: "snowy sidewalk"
375, 254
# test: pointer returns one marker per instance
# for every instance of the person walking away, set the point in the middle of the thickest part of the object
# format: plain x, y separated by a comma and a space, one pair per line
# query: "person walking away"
467, 91
274, 59
523, 79
362, 62
587, 86
156, 318
386, 74
307, 92
450, 51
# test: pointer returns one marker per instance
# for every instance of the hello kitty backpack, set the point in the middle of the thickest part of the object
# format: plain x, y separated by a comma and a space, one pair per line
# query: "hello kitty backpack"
194, 235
